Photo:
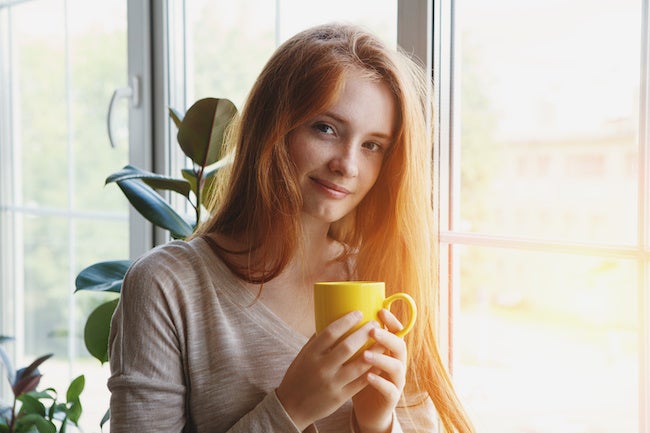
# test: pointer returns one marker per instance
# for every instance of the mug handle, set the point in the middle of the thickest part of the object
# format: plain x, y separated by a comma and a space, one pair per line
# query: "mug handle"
413, 310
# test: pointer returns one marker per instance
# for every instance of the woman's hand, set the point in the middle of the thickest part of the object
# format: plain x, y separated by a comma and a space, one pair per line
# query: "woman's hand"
374, 406
320, 379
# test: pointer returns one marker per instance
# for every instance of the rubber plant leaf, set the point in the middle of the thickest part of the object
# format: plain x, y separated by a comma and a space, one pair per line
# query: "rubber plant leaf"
154, 208
103, 276
97, 329
200, 134
176, 116
190, 177
156, 181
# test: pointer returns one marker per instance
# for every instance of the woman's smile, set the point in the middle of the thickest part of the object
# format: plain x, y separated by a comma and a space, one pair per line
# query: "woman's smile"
331, 189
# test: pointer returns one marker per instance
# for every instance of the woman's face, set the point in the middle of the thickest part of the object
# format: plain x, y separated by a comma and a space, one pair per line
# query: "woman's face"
338, 153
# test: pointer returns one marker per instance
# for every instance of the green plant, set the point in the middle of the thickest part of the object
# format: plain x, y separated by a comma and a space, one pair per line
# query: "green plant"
38, 411
200, 136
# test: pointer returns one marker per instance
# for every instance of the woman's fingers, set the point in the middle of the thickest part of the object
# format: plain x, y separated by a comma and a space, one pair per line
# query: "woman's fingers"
385, 365
392, 361
335, 330
343, 352
390, 321
391, 342
385, 387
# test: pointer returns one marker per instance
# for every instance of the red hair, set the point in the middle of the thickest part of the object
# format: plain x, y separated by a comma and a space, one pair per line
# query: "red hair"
396, 240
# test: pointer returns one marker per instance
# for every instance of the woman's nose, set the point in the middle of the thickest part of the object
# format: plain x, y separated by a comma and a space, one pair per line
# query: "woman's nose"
345, 163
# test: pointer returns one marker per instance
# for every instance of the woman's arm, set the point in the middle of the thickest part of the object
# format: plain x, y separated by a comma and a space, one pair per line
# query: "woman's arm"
151, 381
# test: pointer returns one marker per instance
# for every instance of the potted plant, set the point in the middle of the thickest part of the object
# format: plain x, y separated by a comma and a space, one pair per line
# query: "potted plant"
37, 411
200, 136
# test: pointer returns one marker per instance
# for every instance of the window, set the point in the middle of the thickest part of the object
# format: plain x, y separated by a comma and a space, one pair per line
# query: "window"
227, 43
60, 60
545, 212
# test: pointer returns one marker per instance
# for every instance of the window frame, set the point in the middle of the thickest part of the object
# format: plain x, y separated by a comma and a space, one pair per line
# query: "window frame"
451, 237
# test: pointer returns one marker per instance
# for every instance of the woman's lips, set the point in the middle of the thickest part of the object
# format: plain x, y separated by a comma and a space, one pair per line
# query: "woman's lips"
330, 188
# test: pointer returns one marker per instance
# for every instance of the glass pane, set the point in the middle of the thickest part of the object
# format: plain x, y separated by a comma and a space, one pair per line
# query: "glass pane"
66, 58
46, 286
547, 343
40, 102
229, 42
95, 30
549, 95
51, 141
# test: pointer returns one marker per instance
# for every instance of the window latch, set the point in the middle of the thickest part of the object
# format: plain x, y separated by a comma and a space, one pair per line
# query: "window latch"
131, 93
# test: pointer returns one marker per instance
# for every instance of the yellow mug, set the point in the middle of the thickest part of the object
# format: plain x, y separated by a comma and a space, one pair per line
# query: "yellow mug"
335, 299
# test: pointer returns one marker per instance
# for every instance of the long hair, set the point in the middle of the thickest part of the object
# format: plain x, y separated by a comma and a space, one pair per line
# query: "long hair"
394, 239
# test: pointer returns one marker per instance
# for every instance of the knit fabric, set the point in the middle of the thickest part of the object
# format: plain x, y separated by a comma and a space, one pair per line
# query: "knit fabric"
192, 351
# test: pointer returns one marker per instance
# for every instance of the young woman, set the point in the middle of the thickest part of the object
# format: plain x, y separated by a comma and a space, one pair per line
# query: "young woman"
332, 180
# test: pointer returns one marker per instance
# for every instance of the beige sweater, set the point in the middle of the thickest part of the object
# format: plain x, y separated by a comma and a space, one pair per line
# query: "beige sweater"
191, 351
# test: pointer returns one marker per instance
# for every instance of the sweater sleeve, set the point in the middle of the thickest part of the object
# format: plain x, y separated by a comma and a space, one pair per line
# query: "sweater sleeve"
149, 383
416, 414
268, 416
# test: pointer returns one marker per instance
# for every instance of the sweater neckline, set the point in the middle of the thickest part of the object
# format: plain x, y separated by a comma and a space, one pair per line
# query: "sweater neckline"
249, 304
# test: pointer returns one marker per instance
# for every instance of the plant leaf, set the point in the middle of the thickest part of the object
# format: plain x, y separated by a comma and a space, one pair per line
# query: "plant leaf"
41, 424
195, 130
200, 134
103, 276
27, 378
176, 116
97, 329
42, 394
224, 114
156, 181
105, 418
30, 404
154, 208
56, 410
190, 177
74, 411
31, 368
75, 388
25, 384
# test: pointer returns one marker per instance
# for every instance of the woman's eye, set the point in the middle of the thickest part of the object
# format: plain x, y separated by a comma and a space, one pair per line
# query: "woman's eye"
324, 128
372, 146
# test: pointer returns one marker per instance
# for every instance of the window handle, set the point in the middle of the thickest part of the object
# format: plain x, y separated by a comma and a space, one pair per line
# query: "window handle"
132, 93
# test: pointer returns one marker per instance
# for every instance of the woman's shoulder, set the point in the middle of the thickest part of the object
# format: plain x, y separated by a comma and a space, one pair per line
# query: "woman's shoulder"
176, 254
174, 263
